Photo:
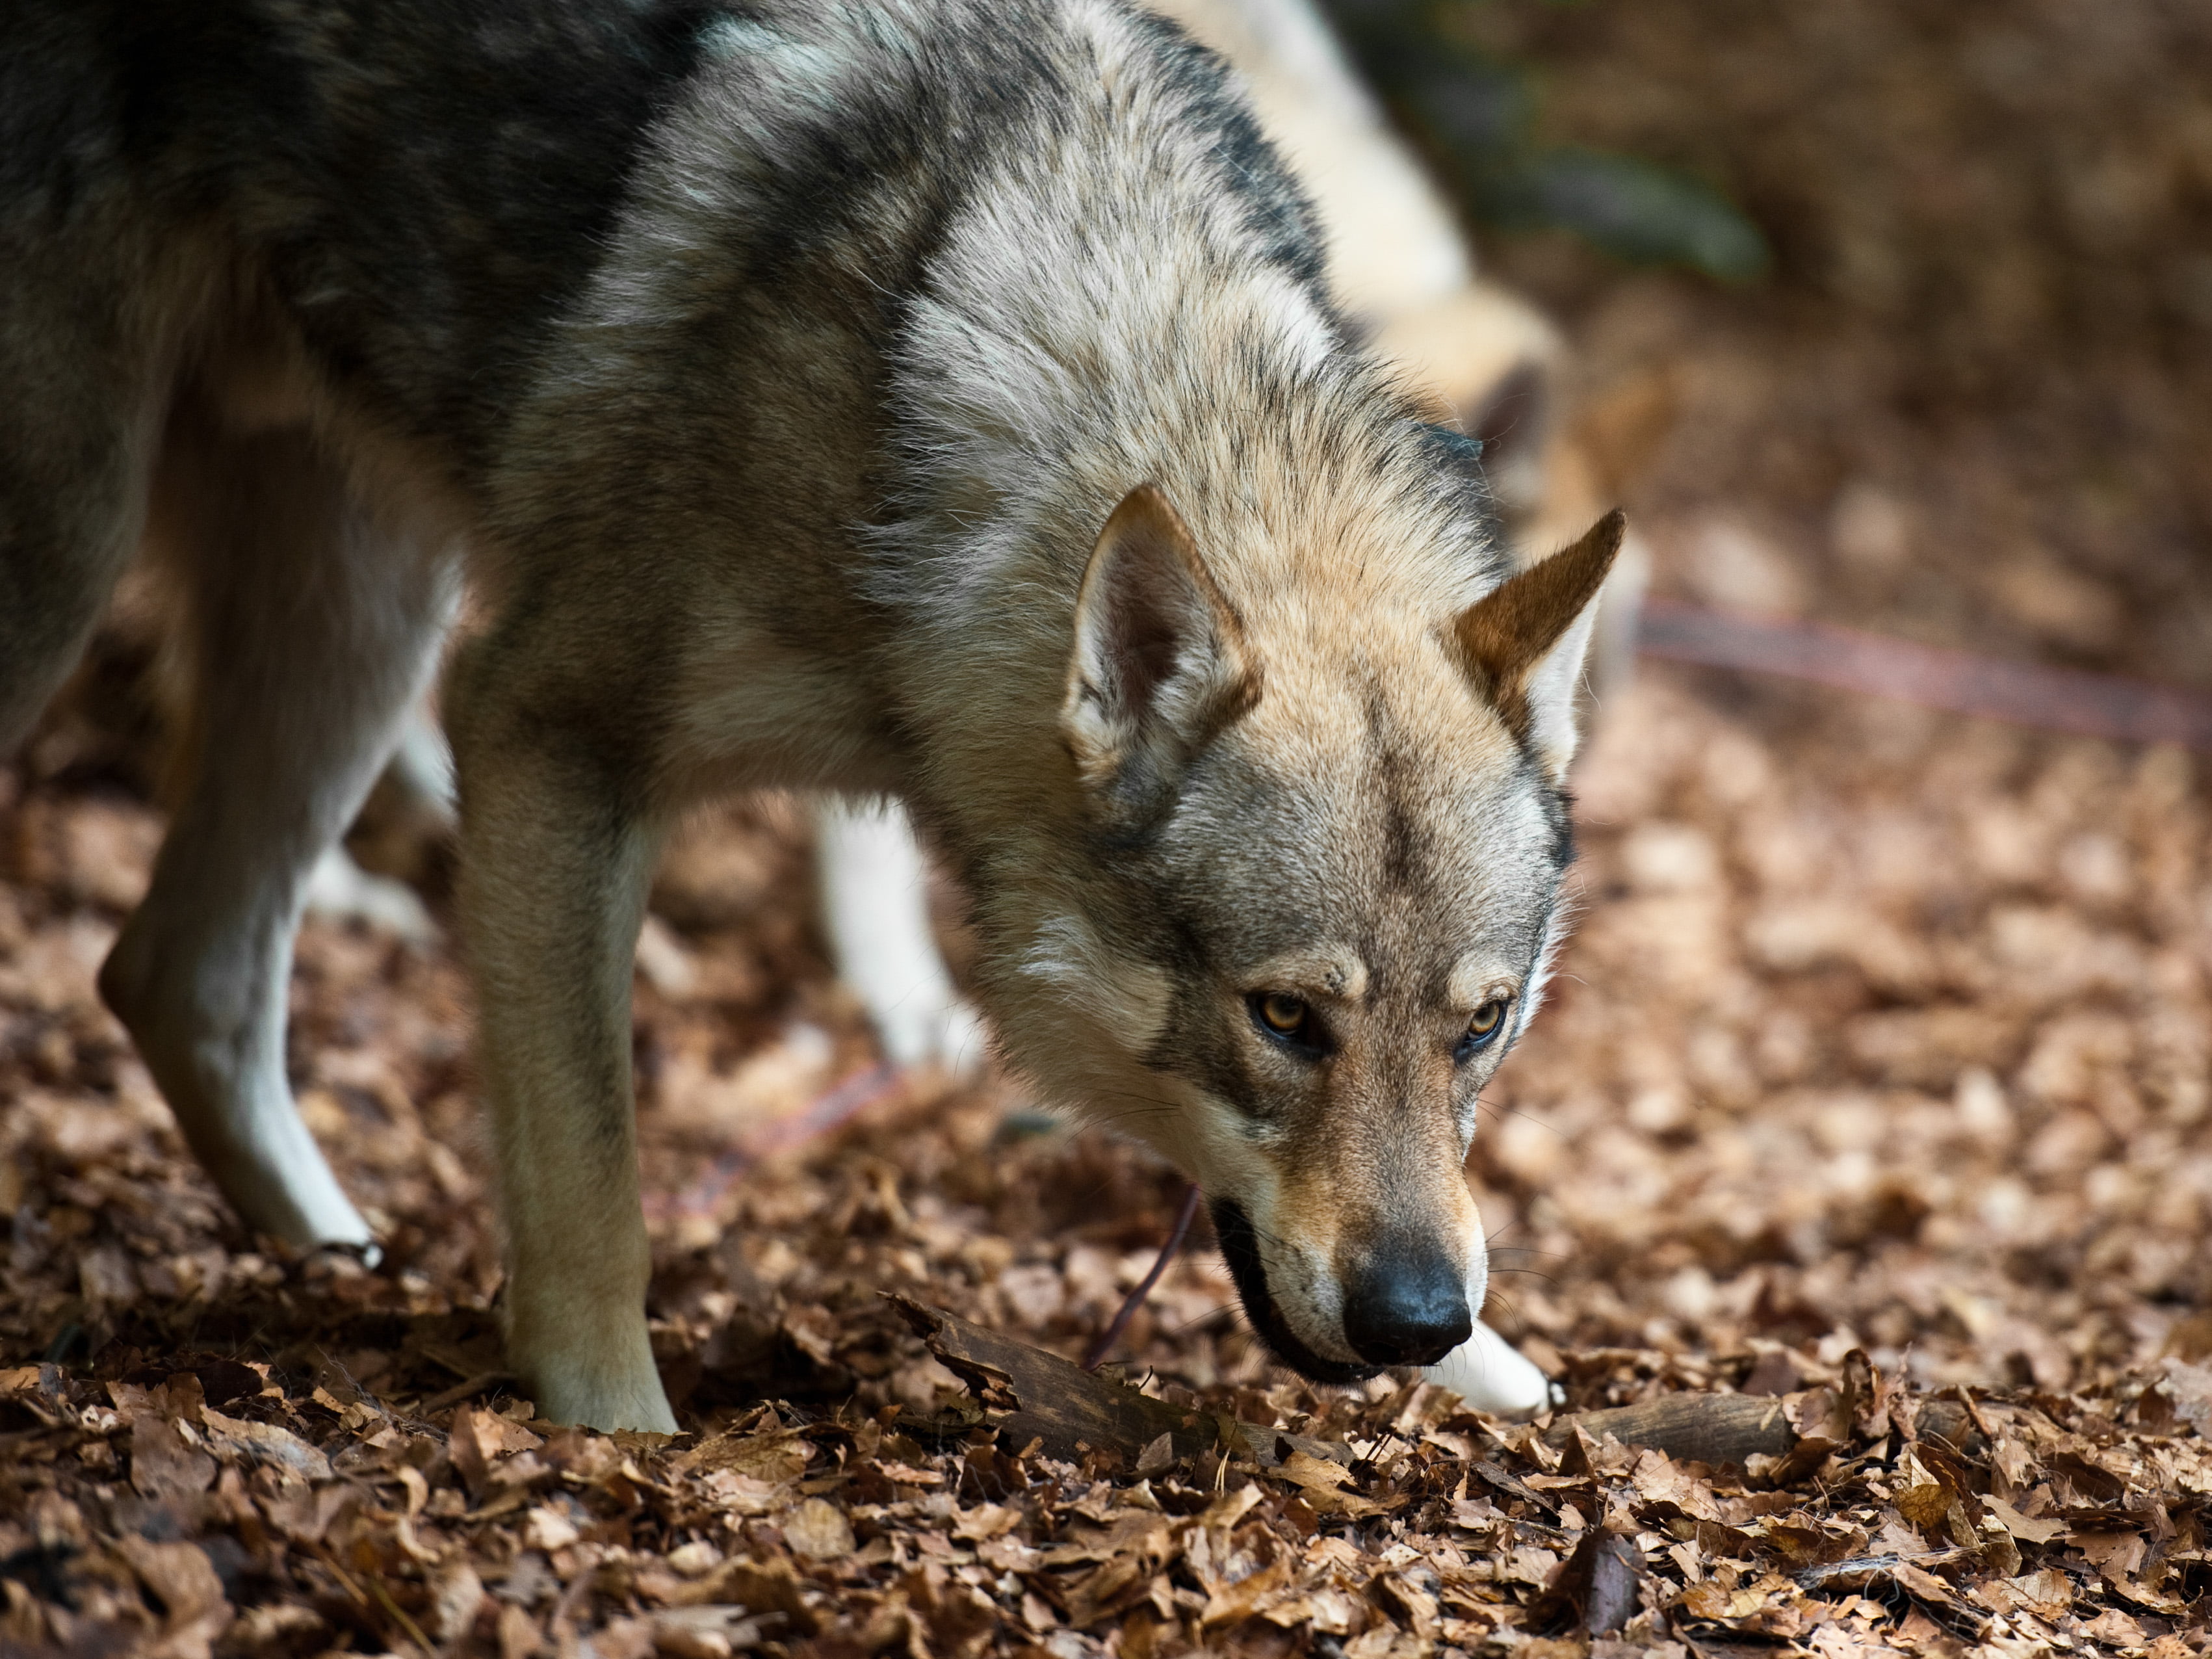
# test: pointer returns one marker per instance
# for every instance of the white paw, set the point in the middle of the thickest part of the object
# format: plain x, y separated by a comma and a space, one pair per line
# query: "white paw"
339, 889
1487, 1372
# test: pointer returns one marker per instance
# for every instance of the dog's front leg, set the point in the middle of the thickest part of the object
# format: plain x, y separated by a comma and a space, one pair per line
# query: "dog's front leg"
875, 906
555, 864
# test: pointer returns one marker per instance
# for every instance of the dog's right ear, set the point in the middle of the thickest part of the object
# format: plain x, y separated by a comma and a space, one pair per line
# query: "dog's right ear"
1160, 662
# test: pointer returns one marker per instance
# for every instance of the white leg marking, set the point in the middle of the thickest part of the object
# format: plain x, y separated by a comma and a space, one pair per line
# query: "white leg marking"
875, 903
424, 764
338, 890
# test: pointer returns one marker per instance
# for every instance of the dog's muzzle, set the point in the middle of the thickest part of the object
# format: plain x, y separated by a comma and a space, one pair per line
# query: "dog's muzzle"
1406, 1305
1240, 1248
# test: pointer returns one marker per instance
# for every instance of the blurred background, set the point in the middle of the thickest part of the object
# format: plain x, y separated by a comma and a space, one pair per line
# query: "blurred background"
1932, 288
1884, 1026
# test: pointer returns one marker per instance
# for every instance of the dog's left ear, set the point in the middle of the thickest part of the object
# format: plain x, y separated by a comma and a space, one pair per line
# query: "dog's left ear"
1160, 662
1524, 639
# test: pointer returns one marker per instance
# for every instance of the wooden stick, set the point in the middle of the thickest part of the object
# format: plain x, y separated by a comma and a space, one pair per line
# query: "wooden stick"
2108, 706
1729, 1428
1703, 1428
1096, 1355
1027, 1394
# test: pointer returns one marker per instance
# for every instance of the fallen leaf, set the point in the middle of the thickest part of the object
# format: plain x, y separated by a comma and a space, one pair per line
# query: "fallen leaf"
819, 1531
162, 1466
1327, 1485
1246, 1597
2020, 1525
265, 1444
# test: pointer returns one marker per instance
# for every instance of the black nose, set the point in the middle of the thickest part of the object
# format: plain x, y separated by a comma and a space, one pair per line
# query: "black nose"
1407, 1305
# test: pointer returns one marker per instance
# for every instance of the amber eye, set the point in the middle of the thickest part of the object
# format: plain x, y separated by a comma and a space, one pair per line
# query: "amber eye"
1482, 1026
1290, 1023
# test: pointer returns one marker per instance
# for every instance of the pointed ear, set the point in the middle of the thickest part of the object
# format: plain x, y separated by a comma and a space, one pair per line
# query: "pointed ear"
1524, 641
1160, 662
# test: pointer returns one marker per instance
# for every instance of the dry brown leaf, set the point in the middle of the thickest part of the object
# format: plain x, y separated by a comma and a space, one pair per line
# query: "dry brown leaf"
266, 1445
778, 1456
2115, 1554
2047, 1593
761, 1587
1245, 1597
162, 1466
818, 1531
2116, 1629
2020, 1525
1922, 1583
179, 1574
1328, 1485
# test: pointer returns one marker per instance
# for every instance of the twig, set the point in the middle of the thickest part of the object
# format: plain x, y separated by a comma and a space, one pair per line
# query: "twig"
1865, 1566
329, 1558
399, 1614
461, 1391
1096, 1355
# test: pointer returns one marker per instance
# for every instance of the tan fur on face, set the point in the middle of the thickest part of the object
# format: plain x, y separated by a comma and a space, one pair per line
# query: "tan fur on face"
1325, 973
1476, 978
1396, 873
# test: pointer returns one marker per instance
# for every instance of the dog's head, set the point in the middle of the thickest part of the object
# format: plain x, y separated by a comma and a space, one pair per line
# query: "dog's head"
1318, 894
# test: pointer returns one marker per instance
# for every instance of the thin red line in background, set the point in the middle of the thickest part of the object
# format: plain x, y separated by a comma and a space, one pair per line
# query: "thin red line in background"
2026, 694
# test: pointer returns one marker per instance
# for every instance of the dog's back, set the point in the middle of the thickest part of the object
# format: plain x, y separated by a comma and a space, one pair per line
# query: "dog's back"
923, 397
420, 187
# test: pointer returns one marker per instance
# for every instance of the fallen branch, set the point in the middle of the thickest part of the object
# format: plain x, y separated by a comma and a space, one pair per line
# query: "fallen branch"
1733, 1428
1854, 1573
1703, 1428
1027, 1394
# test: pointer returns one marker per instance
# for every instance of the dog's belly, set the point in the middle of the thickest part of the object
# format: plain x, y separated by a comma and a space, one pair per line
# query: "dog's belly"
754, 712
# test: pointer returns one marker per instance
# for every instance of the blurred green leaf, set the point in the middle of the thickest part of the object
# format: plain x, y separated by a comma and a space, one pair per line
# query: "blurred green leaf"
1632, 208
1476, 116
1472, 109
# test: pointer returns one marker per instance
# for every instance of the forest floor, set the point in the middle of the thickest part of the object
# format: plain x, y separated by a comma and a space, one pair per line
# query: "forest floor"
1875, 1081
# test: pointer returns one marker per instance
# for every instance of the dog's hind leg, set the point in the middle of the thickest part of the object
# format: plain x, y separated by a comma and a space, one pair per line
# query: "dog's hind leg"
311, 626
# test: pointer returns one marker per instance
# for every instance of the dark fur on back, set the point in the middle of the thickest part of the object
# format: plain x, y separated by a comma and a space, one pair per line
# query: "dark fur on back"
427, 185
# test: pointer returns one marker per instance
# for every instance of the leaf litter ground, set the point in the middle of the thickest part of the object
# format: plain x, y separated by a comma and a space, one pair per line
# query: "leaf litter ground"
1854, 1184
1872, 1092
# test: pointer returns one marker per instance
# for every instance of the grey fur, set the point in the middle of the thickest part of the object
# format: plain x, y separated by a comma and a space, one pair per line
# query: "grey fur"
773, 369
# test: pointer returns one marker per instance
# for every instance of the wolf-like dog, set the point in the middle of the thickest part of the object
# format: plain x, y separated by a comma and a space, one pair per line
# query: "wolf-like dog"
923, 398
